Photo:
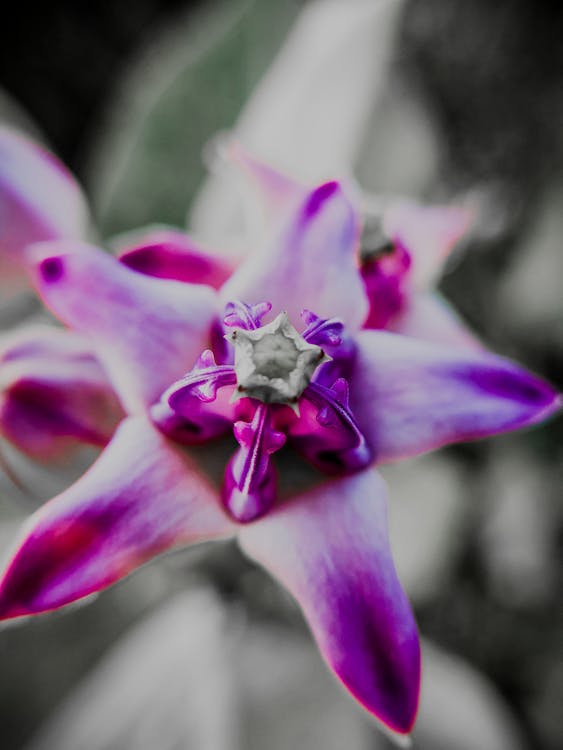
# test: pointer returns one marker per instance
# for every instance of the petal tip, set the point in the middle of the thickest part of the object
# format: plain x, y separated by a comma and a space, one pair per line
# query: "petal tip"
51, 269
319, 196
521, 386
397, 717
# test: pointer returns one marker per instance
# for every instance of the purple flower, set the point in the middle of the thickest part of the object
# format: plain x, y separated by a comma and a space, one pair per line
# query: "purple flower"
276, 357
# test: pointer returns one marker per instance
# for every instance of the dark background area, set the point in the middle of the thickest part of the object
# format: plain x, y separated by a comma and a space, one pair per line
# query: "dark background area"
492, 71
60, 61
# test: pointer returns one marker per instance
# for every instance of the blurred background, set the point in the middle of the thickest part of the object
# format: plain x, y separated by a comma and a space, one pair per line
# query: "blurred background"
437, 101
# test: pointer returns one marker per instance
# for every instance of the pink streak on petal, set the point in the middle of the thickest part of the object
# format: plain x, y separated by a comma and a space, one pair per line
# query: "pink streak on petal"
39, 200
429, 317
429, 234
330, 548
310, 264
53, 393
169, 254
143, 496
410, 396
147, 332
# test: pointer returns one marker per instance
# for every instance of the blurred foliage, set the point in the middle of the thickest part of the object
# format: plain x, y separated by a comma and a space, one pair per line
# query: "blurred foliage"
188, 85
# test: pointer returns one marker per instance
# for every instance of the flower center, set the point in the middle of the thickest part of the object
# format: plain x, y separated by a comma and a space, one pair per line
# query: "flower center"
274, 355
274, 363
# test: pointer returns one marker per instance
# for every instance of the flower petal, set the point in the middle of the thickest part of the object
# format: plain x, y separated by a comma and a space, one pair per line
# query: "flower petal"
428, 233
329, 547
311, 263
169, 254
410, 397
39, 199
147, 332
53, 393
142, 497
429, 317
266, 196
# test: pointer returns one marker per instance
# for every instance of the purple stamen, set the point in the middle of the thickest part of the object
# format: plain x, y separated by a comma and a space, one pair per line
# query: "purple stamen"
249, 317
192, 410
250, 487
331, 336
332, 442
202, 382
322, 332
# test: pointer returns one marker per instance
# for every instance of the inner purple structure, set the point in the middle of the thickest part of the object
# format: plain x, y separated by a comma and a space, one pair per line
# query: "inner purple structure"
271, 386
386, 278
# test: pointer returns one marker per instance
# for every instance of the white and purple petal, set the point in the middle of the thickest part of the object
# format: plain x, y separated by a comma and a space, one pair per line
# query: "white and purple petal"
198, 407
409, 396
329, 548
428, 316
310, 263
39, 200
142, 497
147, 332
53, 393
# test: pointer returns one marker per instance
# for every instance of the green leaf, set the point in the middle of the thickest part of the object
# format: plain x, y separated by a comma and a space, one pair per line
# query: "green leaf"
188, 85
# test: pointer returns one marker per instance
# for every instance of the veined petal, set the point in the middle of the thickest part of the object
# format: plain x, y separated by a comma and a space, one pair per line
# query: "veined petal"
170, 254
329, 547
311, 263
409, 396
147, 332
428, 233
142, 497
429, 317
39, 199
53, 392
